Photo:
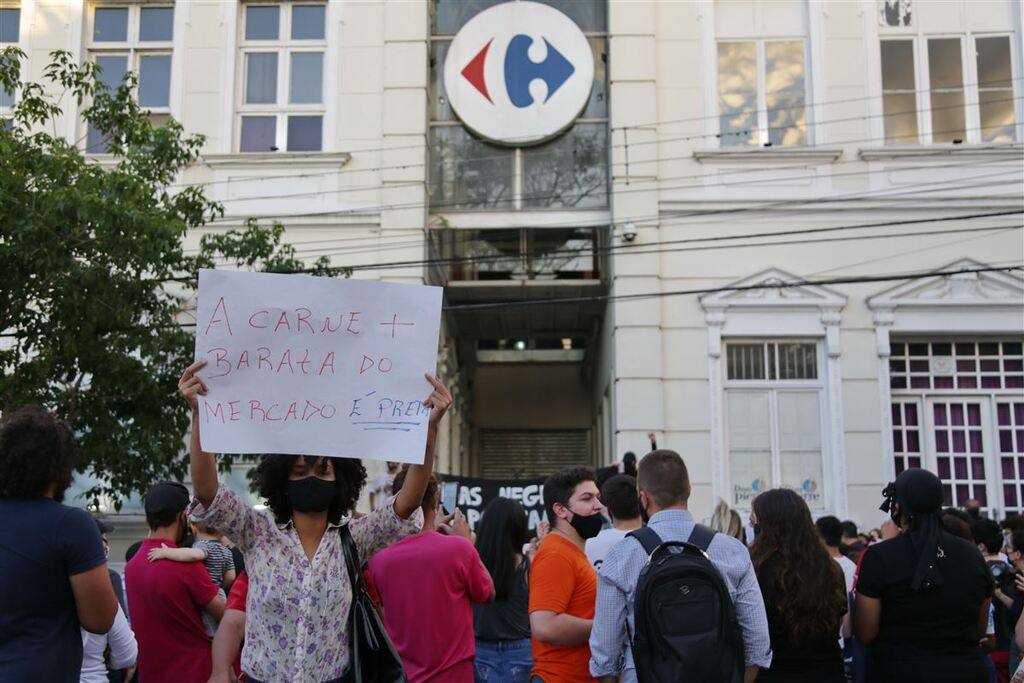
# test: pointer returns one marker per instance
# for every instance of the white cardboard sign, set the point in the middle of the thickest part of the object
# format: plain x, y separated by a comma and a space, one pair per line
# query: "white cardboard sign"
315, 366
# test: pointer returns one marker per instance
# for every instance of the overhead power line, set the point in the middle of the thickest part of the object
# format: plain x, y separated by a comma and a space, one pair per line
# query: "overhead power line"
708, 117
821, 282
461, 204
630, 249
625, 145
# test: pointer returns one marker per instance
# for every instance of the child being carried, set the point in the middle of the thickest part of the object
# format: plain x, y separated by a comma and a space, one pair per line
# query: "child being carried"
208, 549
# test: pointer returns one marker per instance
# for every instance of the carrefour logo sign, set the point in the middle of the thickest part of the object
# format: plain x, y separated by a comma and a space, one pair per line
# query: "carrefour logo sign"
519, 73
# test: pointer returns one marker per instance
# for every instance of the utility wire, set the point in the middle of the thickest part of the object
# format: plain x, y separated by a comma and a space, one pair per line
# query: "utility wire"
703, 185
613, 248
708, 117
661, 219
852, 279
425, 146
462, 204
672, 218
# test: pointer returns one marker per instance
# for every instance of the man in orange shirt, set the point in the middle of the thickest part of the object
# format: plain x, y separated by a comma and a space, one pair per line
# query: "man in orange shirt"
563, 584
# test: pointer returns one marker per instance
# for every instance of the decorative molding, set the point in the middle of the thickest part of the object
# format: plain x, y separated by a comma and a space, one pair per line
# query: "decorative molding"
715, 320
793, 155
935, 152
830, 318
883, 319
274, 159
958, 289
765, 290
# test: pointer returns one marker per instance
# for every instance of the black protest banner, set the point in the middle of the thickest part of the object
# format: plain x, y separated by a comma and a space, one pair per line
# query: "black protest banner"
474, 495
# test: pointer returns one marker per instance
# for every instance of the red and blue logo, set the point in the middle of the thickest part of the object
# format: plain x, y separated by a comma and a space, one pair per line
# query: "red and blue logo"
519, 73
520, 70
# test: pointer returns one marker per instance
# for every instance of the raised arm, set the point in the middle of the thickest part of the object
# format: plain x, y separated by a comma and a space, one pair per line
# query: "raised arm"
202, 464
411, 495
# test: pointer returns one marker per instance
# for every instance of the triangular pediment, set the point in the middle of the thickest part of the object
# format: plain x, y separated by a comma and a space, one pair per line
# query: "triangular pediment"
767, 289
960, 284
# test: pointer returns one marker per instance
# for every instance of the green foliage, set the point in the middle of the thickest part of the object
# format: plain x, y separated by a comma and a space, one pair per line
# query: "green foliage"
94, 282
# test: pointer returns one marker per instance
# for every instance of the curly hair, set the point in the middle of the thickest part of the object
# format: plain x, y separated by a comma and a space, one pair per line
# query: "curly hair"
271, 481
809, 582
36, 451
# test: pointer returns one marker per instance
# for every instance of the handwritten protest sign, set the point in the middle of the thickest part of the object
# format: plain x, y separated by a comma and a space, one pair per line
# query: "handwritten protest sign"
315, 366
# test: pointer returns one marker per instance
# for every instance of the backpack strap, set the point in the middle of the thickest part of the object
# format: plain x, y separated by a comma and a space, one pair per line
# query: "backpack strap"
701, 536
648, 538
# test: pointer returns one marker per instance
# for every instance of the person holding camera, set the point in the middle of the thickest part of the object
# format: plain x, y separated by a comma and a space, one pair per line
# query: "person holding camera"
989, 538
1010, 592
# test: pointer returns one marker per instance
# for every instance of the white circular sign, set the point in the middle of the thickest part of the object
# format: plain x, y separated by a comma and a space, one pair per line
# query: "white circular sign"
519, 73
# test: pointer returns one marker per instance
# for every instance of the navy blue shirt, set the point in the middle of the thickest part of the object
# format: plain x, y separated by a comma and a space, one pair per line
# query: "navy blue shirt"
42, 545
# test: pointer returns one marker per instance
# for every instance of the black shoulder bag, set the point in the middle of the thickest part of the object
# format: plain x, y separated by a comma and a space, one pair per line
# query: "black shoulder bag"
372, 656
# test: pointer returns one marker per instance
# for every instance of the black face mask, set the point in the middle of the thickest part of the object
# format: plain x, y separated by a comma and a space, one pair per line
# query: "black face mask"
311, 494
644, 517
587, 526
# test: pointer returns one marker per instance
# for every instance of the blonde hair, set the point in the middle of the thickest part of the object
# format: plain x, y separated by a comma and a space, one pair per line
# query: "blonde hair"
727, 521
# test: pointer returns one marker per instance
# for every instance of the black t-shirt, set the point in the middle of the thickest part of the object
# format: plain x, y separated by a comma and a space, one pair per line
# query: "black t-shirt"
508, 619
42, 545
926, 635
815, 659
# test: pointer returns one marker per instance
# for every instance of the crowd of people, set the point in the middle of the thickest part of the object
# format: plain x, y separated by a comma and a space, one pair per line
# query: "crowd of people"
621, 583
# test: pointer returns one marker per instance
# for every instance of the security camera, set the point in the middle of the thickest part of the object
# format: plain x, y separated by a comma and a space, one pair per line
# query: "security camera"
628, 232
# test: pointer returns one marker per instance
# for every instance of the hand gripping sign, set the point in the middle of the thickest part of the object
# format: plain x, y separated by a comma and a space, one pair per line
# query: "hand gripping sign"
315, 366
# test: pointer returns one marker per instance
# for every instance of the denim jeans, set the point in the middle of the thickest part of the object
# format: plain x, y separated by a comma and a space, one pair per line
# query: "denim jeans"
502, 661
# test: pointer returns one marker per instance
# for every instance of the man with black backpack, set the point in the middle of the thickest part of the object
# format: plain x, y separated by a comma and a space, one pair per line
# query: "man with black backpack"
676, 602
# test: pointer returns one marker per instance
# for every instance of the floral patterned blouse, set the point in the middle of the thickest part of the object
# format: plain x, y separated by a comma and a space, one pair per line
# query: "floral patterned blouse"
296, 625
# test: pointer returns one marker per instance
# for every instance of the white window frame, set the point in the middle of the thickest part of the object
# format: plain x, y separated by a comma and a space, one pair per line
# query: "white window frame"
969, 70
773, 388
7, 112
763, 133
133, 49
802, 313
284, 47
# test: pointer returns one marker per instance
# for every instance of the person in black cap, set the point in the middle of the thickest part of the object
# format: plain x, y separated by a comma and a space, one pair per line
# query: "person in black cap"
922, 597
53, 573
165, 598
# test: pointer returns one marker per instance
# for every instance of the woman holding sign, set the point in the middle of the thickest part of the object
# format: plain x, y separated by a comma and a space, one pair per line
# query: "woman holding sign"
299, 590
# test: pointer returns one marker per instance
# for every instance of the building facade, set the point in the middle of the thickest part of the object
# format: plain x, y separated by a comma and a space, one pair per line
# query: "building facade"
719, 221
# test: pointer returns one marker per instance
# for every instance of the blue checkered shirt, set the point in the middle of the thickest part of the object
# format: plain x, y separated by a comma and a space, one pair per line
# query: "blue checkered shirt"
610, 653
